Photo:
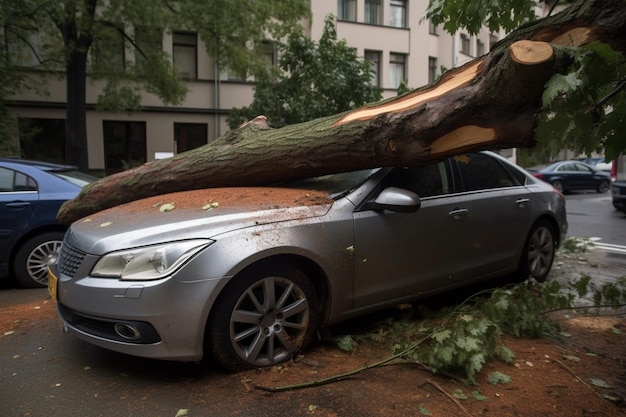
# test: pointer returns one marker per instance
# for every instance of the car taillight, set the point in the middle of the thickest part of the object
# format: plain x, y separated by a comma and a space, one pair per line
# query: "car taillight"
538, 175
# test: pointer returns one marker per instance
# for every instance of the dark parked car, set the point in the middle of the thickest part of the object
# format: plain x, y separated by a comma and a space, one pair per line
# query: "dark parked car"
618, 187
598, 163
247, 275
31, 193
568, 176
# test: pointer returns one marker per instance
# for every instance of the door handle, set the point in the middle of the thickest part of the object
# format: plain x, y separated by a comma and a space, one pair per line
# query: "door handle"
18, 204
522, 202
458, 213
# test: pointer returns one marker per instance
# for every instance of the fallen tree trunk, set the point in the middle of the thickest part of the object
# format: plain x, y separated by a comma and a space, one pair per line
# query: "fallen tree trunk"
489, 103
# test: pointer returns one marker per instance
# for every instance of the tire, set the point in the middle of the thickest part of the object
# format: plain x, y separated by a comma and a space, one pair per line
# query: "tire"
539, 252
32, 259
558, 185
604, 186
262, 318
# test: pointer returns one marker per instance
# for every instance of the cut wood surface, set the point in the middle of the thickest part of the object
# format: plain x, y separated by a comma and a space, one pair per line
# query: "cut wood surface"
489, 103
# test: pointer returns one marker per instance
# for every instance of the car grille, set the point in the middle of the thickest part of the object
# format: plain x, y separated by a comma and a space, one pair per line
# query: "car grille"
69, 259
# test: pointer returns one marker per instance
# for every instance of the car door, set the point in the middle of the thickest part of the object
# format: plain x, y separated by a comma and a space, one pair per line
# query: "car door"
401, 255
573, 179
18, 201
501, 211
585, 177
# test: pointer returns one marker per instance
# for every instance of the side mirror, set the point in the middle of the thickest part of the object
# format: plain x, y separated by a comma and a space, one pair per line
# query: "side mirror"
395, 199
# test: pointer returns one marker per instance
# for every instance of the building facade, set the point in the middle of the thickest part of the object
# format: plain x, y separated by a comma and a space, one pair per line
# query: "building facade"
390, 34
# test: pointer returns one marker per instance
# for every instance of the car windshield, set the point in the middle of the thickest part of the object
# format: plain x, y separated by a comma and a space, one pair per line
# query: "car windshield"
75, 177
336, 185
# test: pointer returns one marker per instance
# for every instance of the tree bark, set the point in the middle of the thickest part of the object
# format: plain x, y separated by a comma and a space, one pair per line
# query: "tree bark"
489, 103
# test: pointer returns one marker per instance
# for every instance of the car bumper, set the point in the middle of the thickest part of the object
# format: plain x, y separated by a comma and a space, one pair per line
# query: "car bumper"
162, 319
618, 191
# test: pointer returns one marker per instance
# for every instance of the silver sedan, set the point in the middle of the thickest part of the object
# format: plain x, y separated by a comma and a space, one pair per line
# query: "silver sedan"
247, 275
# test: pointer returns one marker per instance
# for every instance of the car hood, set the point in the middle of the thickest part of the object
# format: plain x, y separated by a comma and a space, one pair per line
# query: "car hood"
193, 214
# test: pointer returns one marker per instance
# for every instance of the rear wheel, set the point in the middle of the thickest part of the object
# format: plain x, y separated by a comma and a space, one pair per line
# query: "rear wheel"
539, 252
32, 259
264, 317
604, 186
558, 185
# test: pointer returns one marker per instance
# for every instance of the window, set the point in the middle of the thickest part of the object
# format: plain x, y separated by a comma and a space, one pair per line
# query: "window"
425, 181
42, 139
397, 69
480, 48
185, 47
346, 10
12, 181
189, 136
373, 58
398, 13
24, 50
267, 50
149, 42
124, 145
432, 69
432, 28
373, 12
108, 51
481, 172
465, 44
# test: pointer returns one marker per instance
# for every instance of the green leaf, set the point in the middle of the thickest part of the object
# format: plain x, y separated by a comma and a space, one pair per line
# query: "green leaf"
498, 378
478, 396
459, 394
441, 335
505, 353
346, 343
423, 410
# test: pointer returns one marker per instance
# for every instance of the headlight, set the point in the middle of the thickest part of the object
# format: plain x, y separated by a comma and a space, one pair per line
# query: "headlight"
150, 262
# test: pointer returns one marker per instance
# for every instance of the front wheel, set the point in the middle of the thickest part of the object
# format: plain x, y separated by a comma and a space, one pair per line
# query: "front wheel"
32, 259
262, 318
539, 252
604, 186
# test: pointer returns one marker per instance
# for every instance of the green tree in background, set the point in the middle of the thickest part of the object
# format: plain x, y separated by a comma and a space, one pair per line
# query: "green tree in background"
92, 38
316, 80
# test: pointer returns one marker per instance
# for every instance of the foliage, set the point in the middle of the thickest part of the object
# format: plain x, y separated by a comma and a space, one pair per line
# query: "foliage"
316, 79
585, 110
473, 14
120, 43
461, 340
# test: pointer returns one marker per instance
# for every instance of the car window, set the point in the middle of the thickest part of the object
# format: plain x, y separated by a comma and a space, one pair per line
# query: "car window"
425, 181
482, 172
582, 168
11, 181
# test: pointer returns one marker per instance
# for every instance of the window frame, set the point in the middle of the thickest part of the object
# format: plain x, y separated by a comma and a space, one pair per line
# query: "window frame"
465, 44
181, 46
138, 146
396, 63
398, 6
346, 10
374, 64
432, 68
373, 12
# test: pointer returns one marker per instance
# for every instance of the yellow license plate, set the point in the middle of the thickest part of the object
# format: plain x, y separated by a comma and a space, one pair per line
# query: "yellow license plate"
52, 284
